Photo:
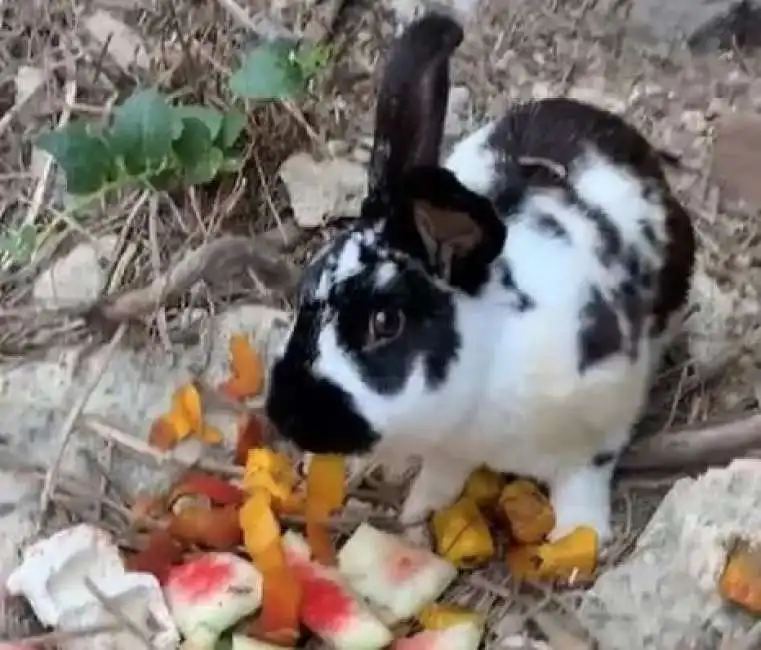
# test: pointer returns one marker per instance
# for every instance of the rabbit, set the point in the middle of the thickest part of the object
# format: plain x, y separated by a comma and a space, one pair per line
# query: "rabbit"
508, 307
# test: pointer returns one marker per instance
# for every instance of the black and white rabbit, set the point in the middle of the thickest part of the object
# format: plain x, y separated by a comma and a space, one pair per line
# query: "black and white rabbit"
508, 307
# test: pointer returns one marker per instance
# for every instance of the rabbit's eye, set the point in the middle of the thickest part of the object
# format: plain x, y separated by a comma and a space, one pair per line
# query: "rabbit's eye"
385, 324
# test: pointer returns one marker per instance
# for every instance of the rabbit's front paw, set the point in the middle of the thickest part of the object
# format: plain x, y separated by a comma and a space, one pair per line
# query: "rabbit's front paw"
583, 499
437, 485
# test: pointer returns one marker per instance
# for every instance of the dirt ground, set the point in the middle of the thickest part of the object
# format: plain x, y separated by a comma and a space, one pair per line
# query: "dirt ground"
575, 48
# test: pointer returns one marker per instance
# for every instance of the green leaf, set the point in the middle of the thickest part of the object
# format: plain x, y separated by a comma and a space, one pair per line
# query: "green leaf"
268, 72
194, 143
232, 126
19, 245
231, 164
210, 117
143, 130
200, 160
313, 58
165, 180
206, 168
84, 157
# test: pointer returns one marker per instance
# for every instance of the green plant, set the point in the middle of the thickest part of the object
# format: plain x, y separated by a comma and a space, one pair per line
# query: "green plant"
160, 145
149, 142
278, 70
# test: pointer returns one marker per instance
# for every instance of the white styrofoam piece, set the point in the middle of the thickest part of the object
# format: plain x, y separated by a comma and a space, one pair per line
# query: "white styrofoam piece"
53, 578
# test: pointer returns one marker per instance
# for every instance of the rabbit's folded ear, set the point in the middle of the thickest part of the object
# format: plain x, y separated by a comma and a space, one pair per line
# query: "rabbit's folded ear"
455, 231
412, 99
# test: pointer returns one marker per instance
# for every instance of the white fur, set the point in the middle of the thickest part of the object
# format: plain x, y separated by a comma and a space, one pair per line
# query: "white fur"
515, 399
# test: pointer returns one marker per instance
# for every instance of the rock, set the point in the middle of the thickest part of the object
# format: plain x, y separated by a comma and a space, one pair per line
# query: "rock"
76, 277
320, 190
694, 122
28, 81
665, 594
124, 44
736, 163
709, 326
136, 387
18, 523
705, 24
459, 99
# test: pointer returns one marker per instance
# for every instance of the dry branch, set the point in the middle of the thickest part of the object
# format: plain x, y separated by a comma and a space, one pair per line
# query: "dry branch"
713, 443
218, 258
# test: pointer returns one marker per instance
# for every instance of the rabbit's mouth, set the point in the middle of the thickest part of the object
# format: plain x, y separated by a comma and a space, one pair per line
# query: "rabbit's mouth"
315, 414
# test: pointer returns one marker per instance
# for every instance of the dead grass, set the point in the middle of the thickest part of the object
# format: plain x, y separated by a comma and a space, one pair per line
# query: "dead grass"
189, 47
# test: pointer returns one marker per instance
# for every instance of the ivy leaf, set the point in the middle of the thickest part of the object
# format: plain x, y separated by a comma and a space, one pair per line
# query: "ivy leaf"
194, 143
164, 180
142, 131
205, 168
200, 160
231, 164
268, 72
210, 117
84, 157
232, 126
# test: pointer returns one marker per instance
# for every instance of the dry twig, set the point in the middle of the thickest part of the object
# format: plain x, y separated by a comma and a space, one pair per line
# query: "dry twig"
217, 258
112, 608
710, 443
71, 419
55, 639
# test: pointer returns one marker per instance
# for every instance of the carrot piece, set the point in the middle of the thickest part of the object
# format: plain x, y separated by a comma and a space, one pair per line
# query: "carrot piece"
278, 621
740, 581
162, 435
326, 492
270, 471
250, 436
462, 534
158, 557
247, 370
260, 528
573, 557
219, 491
528, 512
483, 487
186, 414
215, 528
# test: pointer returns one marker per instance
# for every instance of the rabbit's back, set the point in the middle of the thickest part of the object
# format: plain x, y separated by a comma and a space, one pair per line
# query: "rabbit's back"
577, 292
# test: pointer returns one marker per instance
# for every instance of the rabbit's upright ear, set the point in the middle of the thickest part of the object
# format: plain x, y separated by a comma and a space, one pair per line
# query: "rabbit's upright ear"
412, 99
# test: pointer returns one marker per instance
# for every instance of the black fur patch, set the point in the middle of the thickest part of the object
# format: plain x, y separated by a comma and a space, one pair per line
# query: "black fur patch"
439, 187
610, 236
429, 333
320, 416
523, 302
549, 225
673, 284
312, 412
600, 334
649, 234
603, 458
560, 129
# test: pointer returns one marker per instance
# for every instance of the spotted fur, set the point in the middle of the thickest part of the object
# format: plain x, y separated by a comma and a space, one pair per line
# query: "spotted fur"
530, 282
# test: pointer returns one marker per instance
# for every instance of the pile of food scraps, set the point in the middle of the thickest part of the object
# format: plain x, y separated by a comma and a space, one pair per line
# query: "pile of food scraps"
232, 575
